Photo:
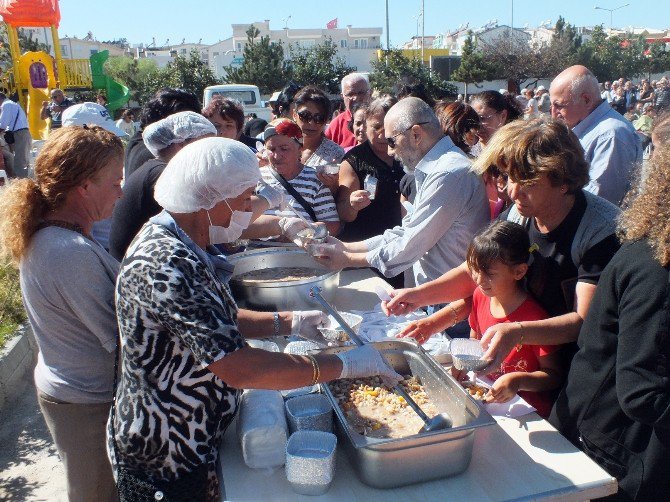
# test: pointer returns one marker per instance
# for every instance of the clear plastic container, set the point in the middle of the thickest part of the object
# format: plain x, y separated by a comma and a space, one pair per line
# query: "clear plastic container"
370, 185
262, 428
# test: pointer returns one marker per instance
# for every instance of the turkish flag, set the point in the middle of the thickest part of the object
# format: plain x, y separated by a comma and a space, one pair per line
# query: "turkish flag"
332, 24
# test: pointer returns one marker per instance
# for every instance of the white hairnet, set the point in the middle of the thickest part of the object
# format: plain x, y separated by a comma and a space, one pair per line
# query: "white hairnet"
204, 173
176, 128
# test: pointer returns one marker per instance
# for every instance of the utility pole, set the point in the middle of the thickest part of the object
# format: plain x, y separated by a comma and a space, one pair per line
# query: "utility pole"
388, 43
423, 26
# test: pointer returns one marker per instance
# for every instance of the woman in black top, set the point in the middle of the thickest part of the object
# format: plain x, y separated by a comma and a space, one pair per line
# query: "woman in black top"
616, 402
365, 216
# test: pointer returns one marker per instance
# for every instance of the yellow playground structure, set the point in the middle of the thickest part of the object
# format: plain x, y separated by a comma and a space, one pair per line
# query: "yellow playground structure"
34, 74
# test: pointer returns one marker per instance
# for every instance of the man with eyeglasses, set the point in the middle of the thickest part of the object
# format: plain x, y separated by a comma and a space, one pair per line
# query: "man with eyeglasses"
611, 145
449, 209
355, 89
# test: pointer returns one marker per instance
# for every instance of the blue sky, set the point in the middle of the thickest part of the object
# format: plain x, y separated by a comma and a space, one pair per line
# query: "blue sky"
210, 20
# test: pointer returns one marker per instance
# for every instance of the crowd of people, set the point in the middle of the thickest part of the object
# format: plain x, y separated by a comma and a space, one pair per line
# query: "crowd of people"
528, 224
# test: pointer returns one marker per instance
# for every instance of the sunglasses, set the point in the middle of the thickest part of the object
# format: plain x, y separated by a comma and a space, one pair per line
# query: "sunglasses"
306, 116
391, 140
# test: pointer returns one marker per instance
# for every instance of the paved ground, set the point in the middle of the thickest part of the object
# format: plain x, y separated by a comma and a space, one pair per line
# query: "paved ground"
30, 469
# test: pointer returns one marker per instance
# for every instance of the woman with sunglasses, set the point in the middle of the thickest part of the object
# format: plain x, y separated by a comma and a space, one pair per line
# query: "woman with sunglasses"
494, 110
311, 112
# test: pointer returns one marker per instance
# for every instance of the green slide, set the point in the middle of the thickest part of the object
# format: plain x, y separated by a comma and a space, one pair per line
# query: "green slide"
117, 94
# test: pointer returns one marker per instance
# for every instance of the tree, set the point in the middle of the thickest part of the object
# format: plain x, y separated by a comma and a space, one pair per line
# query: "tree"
613, 57
473, 68
190, 74
140, 76
318, 65
515, 60
395, 67
263, 64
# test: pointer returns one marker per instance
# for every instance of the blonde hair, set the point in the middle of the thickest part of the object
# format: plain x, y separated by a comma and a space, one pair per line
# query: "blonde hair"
646, 208
525, 149
70, 156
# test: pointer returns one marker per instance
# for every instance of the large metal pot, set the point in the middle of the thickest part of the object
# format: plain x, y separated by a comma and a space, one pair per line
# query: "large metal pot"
280, 295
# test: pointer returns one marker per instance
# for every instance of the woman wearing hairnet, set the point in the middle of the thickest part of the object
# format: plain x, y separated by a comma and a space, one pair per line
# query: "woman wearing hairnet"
184, 357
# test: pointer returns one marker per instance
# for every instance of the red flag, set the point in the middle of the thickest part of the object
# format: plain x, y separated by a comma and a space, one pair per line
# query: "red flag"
332, 24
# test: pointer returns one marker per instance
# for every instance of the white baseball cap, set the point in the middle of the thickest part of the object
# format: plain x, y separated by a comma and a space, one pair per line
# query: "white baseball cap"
90, 114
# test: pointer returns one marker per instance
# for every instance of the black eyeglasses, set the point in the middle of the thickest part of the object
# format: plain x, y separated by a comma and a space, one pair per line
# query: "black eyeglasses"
391, 140
306, 116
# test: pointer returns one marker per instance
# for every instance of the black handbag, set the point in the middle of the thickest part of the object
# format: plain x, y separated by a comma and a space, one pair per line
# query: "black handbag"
9, 135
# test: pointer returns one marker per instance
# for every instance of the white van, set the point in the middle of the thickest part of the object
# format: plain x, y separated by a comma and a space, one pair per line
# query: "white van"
248, 95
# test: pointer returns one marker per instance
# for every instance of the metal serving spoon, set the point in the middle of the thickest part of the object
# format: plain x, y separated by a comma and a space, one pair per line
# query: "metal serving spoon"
438, 422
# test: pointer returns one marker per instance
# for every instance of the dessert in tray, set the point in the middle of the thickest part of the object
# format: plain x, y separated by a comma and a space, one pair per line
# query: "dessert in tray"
374, 410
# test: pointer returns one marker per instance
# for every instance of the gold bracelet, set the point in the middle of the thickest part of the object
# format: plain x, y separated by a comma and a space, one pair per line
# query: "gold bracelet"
316, 372
455, 314
518, 345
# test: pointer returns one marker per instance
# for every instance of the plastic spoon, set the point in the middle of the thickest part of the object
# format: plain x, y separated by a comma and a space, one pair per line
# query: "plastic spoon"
438, 422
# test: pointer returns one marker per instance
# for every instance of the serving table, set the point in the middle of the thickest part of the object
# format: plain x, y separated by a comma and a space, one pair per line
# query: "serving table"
521, 458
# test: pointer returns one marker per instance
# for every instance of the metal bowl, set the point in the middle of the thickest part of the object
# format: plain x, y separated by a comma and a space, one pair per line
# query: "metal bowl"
467, 354
332, 331
280, 295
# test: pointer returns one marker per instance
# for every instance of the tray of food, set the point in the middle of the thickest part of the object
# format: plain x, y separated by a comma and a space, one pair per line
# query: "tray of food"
388, 452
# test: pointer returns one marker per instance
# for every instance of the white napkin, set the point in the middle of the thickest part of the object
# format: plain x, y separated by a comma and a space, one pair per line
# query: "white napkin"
376, 326
515, 407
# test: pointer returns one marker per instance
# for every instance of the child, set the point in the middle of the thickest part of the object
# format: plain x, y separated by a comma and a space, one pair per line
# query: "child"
498, 261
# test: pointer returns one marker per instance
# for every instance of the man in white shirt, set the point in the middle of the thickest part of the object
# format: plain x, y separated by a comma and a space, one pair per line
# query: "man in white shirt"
449, 209
13, 118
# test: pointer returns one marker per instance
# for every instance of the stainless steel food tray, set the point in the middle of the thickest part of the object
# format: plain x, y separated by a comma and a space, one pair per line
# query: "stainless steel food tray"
388, 463
280, 295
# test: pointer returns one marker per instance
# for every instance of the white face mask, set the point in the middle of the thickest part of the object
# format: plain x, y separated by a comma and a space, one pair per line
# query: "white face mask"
239, 221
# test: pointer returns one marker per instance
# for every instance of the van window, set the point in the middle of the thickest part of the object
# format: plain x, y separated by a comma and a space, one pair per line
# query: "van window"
244, 97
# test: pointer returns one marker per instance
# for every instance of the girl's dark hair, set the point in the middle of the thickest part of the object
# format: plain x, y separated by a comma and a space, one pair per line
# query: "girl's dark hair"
502, 241
229, 109
457, 119
315, 95
500, 102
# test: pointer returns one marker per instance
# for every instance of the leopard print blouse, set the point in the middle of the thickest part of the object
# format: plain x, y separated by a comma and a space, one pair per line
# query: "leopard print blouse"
175, 318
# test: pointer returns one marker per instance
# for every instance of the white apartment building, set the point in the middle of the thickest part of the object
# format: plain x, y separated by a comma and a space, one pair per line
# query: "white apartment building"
73, 47
357, 46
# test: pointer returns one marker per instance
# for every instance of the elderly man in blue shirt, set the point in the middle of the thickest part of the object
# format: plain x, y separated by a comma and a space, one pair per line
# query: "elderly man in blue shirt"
610, 142
449, 209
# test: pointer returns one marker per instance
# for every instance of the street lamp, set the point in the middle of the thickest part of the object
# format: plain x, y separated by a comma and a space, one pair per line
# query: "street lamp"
611, 11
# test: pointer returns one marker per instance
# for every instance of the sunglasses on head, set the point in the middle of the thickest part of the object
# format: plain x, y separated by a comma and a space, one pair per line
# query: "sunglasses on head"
306, 116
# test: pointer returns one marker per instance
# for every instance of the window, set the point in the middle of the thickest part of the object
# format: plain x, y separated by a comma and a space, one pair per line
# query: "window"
94, 51
239, 46
343, 44
216, 54
66, 51
244, 97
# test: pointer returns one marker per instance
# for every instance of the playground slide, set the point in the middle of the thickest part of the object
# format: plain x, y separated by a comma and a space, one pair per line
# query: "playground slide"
117, 94
37, 68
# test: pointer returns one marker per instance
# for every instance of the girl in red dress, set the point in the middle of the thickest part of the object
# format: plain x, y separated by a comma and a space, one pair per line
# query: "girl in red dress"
498, 261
